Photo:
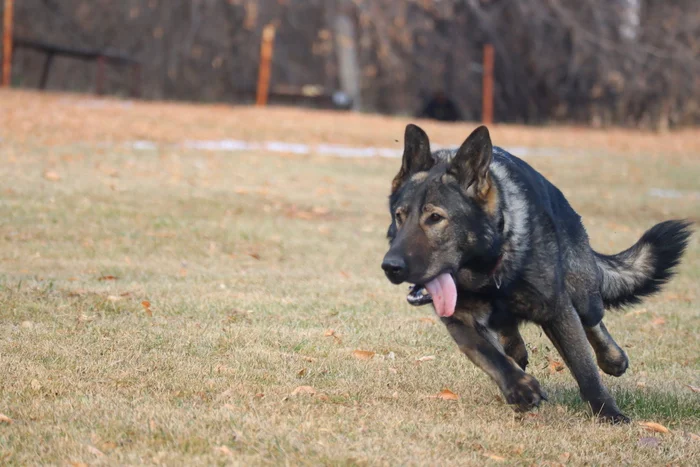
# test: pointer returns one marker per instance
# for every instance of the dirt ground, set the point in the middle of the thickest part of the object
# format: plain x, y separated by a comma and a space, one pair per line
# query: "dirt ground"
165, 305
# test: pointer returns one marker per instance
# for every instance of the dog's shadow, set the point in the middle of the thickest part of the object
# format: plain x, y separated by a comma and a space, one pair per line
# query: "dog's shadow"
638, 404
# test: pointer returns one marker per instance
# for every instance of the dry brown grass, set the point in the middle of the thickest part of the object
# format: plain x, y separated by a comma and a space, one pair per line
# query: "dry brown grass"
250, 260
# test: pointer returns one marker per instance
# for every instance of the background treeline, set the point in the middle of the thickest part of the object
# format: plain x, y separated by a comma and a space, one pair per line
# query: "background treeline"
600, 62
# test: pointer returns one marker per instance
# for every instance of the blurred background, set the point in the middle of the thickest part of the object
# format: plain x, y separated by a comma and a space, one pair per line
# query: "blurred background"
633, 63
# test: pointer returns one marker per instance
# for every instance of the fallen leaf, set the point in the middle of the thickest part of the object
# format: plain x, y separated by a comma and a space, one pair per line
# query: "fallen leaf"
108, 446
93, 450
147, 307
78, 464
641, 384
395, 395
640, 311
320, 210
329, 333
304, 390
5, 419
310, 359
301, 372
323, 397
693, 436
108, 278
446, 395
564, 457
555, 366
494, 457
519, 449
259, 395
649, 441
114, 298
254, 255
426, 358
224, 450
363, 354
658, 321
655, 427
693, 388
52, 176
345, 274
307, 216
427, 320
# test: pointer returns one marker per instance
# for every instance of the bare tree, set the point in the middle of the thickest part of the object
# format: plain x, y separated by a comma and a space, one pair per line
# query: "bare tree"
602, 62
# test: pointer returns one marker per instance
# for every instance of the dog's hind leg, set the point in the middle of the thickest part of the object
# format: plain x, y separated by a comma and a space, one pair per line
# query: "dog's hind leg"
611, 358
566, 333
514, 345
589, 306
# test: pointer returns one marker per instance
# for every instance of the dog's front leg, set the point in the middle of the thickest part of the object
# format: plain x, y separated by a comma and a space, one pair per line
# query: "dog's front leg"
482, 347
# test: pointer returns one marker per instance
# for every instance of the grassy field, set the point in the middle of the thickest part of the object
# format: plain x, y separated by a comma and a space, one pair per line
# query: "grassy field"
175, 306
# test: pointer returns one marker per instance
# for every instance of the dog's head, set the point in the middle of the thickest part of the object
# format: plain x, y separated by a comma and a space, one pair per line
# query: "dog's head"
444, 216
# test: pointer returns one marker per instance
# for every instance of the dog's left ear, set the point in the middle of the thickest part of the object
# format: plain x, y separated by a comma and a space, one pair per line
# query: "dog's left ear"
471, 164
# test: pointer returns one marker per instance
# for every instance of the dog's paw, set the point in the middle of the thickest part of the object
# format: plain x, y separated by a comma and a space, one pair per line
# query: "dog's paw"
615, 364
614, 418
525, 394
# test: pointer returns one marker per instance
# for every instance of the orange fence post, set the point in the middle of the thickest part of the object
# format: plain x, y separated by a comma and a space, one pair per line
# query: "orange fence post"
268, 40
487, 86
7, 43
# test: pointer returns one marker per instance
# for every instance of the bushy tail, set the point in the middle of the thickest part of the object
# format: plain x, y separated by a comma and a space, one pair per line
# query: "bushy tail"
642, 269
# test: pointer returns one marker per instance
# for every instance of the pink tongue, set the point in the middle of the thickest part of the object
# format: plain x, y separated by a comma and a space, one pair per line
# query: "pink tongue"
444, 294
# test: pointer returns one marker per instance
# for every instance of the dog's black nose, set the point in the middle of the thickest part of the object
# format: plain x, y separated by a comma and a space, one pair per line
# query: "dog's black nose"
394, 268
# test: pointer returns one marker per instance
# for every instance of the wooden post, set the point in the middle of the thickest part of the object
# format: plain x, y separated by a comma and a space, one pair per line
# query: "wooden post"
487, 86
136, 80
268, 40
7, 44
100, 78
349, 75
45, 71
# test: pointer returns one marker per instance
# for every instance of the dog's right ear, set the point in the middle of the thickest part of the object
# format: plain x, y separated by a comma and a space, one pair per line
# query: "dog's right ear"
416, 156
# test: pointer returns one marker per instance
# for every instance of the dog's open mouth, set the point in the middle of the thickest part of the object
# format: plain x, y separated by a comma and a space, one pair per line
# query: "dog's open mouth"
418, 295
441, 292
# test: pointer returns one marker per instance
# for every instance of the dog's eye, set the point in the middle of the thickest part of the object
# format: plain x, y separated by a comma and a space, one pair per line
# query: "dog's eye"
399, 217
434, 218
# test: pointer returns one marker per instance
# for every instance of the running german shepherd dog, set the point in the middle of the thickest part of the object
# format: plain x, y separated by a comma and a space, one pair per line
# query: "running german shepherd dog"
491, 243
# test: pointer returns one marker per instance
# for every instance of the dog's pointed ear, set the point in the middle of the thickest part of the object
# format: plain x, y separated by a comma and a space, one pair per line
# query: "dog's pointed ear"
416, 155
471, 164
